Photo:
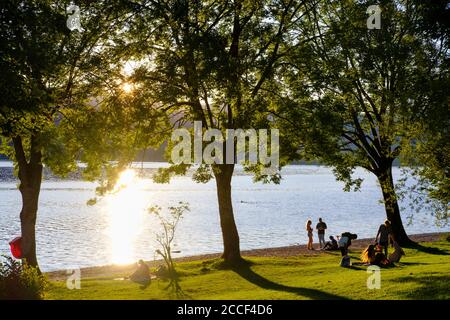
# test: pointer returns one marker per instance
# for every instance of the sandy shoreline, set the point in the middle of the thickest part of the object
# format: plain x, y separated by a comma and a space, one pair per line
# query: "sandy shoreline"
288, 251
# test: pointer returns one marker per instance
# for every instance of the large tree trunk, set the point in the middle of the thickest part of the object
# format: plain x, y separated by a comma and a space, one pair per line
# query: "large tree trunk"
30, 176
231, 250
392, 209
30, 196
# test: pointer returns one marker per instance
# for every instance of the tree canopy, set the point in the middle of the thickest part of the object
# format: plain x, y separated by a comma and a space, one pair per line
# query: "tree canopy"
355, 92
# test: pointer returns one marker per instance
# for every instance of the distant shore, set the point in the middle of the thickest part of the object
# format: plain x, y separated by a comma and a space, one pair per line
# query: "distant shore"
287, 251
146, 170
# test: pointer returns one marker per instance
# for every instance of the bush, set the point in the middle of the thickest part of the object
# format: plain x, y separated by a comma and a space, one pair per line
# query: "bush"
169, 223
20, 281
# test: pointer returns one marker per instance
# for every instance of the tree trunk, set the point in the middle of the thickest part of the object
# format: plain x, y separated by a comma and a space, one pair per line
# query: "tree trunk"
392, 209
28, 215
30, 176
231, 250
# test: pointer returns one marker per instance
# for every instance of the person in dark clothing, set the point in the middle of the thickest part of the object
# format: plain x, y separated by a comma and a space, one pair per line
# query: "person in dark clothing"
142, 274
331, 245
321, 227
384, 235
346, 241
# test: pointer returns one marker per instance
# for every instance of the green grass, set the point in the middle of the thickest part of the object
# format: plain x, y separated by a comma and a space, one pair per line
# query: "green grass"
423, 273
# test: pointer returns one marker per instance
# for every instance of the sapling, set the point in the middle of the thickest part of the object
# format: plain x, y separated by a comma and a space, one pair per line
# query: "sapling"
169, 223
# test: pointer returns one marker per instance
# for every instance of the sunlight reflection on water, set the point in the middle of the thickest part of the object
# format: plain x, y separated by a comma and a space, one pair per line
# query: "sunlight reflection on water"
126, 207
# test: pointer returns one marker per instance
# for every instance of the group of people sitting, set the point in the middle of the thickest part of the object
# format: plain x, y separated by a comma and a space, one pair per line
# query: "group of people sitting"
374, 254
377, 254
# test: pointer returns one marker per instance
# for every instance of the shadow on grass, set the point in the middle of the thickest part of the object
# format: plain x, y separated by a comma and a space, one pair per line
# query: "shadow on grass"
248, 274
331, 252
411, 263
357, 267
431, 287
175, 290
429, 250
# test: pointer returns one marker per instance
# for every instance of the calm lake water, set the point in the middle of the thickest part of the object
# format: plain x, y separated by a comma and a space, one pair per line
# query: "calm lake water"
119, 230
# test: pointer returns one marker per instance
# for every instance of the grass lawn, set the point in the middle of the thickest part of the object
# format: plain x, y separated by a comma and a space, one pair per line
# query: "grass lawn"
423, 273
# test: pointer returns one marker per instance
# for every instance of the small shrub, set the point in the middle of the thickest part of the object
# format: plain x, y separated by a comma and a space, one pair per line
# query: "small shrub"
20, 281
169, 223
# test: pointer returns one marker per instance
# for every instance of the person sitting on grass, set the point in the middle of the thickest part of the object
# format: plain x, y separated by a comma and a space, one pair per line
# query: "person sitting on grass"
380, 258
142, 274
398, 251
331, 245
368, 255
373, 255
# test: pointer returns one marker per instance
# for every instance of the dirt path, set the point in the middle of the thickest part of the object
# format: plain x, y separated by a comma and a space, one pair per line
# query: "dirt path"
120, 270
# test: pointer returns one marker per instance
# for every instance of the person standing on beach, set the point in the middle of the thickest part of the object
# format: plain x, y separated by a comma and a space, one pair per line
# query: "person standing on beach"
309, 230
383, 236
321, 227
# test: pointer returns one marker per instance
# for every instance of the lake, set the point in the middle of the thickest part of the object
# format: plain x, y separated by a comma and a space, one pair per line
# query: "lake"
118, 229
